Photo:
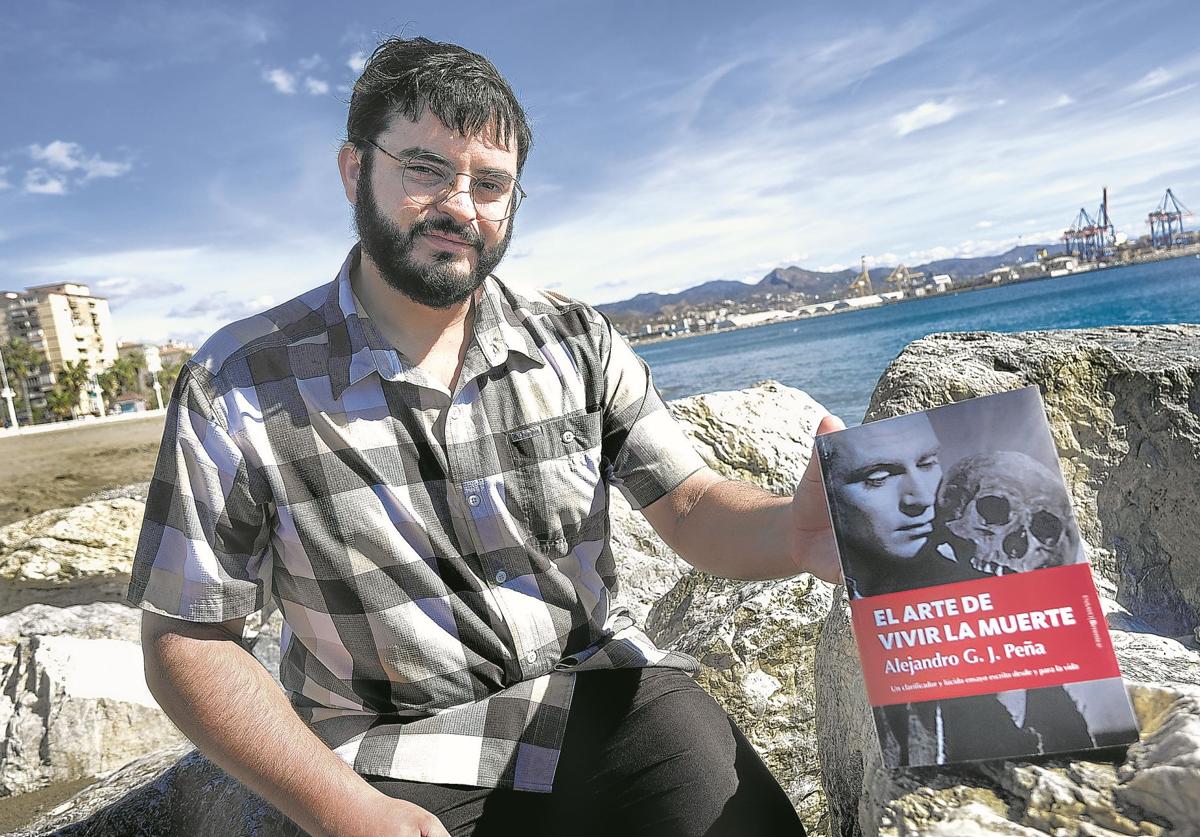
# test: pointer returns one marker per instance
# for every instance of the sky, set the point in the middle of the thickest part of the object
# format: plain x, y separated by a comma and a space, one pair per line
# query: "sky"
180, 159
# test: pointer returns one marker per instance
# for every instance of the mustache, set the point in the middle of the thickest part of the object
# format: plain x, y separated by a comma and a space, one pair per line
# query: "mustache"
446, 225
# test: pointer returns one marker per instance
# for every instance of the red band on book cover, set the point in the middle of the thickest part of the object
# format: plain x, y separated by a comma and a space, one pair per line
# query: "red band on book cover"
1020, 631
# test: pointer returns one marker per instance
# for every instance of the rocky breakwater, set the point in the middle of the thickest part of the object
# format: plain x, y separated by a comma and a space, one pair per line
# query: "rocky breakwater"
1124, 409
755, 642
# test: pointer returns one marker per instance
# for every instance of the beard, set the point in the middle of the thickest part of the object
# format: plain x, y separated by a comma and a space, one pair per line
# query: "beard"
436, 285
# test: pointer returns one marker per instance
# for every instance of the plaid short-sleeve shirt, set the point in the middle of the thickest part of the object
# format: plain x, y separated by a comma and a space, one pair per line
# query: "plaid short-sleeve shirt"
441, 559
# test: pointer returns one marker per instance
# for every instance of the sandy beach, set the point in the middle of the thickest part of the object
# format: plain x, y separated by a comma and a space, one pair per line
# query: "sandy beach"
51, 470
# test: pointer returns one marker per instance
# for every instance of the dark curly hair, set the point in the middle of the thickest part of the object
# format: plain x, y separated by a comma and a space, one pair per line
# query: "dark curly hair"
461, 88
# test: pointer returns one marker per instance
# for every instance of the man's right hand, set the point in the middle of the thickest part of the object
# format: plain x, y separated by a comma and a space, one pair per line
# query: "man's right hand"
383, 816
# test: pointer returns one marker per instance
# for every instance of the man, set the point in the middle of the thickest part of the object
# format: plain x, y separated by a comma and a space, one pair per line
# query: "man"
883, 479
412, 462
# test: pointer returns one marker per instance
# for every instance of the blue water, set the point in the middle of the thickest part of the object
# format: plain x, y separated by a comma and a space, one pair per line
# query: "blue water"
837, 359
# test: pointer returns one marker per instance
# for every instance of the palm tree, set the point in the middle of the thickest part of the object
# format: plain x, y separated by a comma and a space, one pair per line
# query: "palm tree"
72, 376
20, 359
110, 385
170, 371
62, 401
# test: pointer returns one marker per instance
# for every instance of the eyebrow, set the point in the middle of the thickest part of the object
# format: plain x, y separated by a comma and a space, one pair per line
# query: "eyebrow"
419, 151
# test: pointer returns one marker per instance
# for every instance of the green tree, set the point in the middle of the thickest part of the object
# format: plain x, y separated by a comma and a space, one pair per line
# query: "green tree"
110, 385
62, 401
72, 377
170, 371
21, 360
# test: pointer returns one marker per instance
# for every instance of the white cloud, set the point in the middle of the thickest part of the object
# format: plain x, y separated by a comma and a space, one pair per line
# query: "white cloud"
983, 225
219, 305
310, 63
357, 62
120, 289
1062, 101
283, 81
70, 157
4, 184
41, 182
924, 115
1158, 97
1155, 78
315, 86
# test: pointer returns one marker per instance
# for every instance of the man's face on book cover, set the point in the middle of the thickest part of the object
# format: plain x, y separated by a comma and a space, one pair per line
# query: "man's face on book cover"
885, 483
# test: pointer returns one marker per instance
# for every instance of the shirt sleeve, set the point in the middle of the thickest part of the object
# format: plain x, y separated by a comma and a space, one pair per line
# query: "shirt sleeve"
649, 453
204, 550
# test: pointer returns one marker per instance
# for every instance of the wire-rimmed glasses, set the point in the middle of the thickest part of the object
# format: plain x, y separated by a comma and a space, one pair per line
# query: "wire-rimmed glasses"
429, 179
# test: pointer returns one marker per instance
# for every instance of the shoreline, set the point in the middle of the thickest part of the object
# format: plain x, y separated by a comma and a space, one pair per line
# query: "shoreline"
1192, 251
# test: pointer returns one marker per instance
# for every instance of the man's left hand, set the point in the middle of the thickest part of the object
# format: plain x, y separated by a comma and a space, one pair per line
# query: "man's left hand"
815, 550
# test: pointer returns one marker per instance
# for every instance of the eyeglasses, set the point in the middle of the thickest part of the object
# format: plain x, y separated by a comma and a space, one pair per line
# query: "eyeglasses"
429, 179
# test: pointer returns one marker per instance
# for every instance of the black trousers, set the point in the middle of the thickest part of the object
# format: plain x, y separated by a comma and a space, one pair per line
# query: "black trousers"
646, 752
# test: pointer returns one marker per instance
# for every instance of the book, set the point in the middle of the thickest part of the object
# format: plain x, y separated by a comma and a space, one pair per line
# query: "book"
978, 625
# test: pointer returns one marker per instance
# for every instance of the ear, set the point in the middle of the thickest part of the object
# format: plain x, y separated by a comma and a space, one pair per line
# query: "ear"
350, 168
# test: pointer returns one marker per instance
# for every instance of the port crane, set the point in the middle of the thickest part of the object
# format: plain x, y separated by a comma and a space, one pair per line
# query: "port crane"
1092, 239
862, 285
1166, 222
903, 279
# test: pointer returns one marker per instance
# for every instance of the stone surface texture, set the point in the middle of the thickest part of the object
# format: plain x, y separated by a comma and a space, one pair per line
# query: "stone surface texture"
74, 707
755, 640
70, 556
1124, 410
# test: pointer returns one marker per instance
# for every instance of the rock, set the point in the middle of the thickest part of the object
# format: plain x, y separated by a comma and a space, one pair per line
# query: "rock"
755, 642
74, 707
647, 568
1124, 410
70, 556
134, 491
173, 792
761, 435
100, 620
1154, 790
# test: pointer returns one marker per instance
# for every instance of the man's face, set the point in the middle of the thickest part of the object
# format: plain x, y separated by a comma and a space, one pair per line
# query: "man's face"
436, 255
885, 484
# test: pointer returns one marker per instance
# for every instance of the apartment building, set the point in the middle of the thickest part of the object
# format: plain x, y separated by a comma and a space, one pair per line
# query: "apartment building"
63, 322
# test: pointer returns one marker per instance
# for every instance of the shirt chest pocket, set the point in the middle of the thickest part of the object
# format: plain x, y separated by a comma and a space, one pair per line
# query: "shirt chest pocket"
554, 479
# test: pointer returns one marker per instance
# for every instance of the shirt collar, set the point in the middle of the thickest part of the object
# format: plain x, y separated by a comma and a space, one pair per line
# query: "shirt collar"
356, 348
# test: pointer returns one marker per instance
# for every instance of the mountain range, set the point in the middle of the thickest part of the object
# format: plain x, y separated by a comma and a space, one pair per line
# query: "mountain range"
811, 282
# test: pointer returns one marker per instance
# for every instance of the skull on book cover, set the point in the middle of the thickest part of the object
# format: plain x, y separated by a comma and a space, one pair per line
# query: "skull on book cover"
1014, 509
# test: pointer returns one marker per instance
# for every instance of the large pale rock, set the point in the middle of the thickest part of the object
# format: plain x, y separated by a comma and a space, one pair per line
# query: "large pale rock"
761, 435
755, 644
754, 640
70, 556
1124, 410
73, 707
647, 568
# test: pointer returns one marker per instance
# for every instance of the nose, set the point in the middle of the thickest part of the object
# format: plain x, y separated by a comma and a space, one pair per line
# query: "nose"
917, 494
458, 203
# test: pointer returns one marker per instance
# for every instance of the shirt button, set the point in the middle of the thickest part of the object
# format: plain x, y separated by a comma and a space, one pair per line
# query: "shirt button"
531, 657
568, 437
501, 577
472, 499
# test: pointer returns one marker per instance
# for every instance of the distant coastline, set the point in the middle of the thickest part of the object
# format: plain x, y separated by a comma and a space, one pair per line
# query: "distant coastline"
1188, 251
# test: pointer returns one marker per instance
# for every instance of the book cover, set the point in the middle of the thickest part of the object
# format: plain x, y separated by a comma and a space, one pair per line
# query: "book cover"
978, 625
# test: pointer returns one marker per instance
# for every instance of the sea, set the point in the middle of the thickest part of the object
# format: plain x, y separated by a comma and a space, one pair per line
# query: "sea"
838, 358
